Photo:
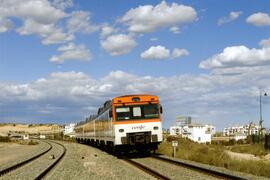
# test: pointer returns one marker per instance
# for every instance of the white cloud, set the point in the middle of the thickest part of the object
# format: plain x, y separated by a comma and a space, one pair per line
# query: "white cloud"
70, 95
175, 30
177, 53
38, 17
48, 32
259, 19
232, 16
40, 11
154, 39
72, 52
107, 30
62, 4
148, 18
5, 24
238, 56
265, 43
156, 52
80, 22
30, 26
58, 37
161, 52
118, 44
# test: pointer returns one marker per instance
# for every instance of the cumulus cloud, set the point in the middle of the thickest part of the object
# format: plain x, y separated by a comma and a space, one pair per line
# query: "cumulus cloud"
5, 24
38, 17
148, 18
80, 22
106, 30
46, 19
232, 16
259, 19
62, 4
40, 11
67, 96
156, 52
160, 52
118, 44
238, 56
72, 52
177, 53
175, 30
49, 32
265, 43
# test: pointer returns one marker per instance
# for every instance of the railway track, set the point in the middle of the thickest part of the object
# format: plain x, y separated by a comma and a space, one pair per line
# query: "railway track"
165, 168
210, 172
38, 166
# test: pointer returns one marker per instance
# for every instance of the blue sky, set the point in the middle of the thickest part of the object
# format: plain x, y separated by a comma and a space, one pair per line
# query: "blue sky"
60, 60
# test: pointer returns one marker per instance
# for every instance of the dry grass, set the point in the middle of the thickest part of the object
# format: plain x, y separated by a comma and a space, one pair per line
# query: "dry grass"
214, 155
30, 128
255, 149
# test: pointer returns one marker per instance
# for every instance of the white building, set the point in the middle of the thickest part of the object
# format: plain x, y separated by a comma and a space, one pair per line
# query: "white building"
42, 136
195, 132
246, 130
238, 137
69, 130
26, 136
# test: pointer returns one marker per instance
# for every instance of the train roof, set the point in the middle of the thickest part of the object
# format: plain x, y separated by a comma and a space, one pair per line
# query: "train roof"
132, 95
135, 98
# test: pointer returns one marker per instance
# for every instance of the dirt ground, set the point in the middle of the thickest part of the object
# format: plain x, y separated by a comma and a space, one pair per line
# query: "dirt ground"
31, 129
11, 152
245, 156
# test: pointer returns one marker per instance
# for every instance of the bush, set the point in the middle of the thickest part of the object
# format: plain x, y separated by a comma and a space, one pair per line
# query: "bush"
216, 155
31, 142
4, 139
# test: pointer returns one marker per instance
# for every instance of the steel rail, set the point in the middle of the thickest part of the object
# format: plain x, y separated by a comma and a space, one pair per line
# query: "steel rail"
49, 168
200, 169
13, 167
146, 169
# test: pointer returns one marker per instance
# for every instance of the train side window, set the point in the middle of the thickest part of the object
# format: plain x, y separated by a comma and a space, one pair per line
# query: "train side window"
161, 109
110, 113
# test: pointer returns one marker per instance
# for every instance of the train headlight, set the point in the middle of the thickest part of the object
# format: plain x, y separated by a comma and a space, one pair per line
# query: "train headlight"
155, 128
121, 130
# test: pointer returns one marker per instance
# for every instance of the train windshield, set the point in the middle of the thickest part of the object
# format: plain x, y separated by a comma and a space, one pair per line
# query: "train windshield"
137, 112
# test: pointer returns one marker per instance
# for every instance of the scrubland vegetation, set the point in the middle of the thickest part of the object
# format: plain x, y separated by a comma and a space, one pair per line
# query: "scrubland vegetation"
255, 149
216, 155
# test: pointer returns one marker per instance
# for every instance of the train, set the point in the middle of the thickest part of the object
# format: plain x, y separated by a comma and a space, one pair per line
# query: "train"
124, 123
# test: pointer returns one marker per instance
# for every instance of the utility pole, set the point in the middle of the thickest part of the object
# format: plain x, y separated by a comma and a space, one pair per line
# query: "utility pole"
261, 119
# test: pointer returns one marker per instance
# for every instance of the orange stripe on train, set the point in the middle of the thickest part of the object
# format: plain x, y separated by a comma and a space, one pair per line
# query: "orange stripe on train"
136, 121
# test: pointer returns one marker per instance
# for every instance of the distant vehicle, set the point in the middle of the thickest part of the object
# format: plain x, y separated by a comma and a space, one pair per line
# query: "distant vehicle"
131, 122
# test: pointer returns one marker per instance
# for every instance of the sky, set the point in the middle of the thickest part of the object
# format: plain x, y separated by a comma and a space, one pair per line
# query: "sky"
61, 59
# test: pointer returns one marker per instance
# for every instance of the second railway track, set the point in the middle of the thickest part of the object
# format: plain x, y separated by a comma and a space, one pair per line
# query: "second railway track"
164, 168
37, 166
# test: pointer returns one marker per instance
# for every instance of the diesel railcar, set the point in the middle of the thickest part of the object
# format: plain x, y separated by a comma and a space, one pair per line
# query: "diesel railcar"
131, 122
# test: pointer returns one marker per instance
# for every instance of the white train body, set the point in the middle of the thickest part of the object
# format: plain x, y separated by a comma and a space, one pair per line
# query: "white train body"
129, 122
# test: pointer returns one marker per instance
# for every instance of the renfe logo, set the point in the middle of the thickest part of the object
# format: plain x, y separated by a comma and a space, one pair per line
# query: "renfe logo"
138, 127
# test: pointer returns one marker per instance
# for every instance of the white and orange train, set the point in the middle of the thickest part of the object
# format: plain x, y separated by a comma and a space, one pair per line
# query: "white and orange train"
131, 122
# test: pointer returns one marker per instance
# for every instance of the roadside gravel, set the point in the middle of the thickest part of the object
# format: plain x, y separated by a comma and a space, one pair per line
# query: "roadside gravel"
13, 153
85, 162
172, 171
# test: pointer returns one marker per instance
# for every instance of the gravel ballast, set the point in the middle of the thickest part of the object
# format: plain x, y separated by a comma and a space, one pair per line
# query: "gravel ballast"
86, 162
172, 171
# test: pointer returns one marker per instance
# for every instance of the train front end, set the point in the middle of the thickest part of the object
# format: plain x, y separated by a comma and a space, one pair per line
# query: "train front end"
137, 122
